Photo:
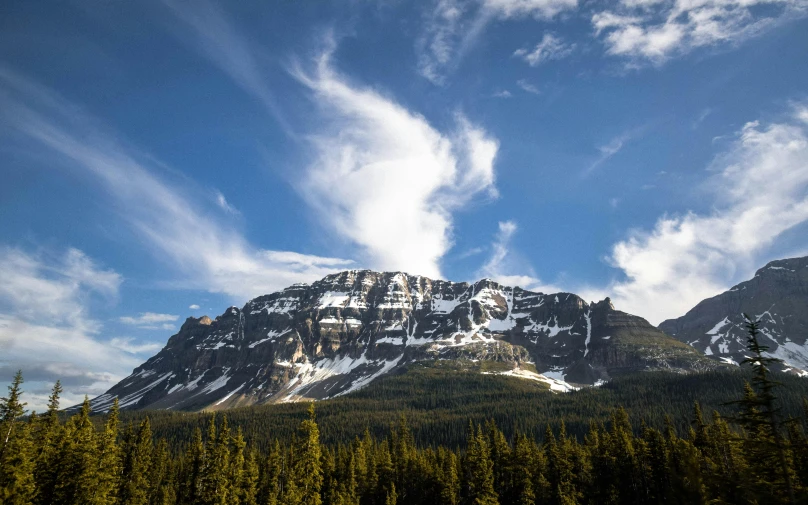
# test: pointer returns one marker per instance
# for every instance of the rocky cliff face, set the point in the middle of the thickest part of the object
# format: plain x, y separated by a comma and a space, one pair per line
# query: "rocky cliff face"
340, 333
777, 295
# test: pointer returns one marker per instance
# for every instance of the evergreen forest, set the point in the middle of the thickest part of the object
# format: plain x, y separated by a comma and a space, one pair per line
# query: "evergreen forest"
752, 451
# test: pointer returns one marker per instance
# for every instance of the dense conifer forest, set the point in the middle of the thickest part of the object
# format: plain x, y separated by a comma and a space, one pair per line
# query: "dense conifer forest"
756, 452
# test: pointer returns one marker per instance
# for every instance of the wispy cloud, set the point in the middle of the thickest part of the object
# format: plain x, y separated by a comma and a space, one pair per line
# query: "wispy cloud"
151, 321
550, 48
206, 252
223, 204
609, 150
193, 306
502, 94
655, 31
452, 27
46, 328
387, 180
702, 116
208, 30
759, 188
507, 269
526, 86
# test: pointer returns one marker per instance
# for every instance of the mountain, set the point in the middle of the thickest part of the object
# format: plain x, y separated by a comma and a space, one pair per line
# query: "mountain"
777, 295
340, 333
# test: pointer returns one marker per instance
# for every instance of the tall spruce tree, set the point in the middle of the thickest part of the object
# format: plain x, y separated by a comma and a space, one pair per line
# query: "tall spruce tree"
479, 470
760, 414
308, 473
215, 485
11, 409
109, 461
47, 451
190, 488
17, 484
135, 487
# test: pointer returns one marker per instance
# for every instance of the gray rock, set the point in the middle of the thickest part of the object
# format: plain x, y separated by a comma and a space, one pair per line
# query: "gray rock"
777, 295
340, 333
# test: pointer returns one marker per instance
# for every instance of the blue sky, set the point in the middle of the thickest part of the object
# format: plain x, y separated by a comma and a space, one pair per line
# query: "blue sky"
164, 159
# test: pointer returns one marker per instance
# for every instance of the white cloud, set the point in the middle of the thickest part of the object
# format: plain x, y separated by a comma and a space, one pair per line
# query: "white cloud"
193, 306
51, 290
151, 321
452, 27
502, 94
654, 31
148, 318
539, 9
386, 179
527, 86
223, 204
177, 227
759, 189
45, 326
550, 48
502, 266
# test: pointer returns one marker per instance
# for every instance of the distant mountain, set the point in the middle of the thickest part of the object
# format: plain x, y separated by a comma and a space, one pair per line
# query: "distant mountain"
777, 295
340, 333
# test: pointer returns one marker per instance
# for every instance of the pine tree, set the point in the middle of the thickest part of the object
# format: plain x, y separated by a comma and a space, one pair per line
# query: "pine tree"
135, 488
190, 491
109, 461
270, 488
159, 472
479, 470
402, 446
308, 473
760, 415
48, 442
215, 485
249, 483
500, 457
17, 485
77, 474
11, 409
524, 465
449, 485
659, 485
392, 496
235, 471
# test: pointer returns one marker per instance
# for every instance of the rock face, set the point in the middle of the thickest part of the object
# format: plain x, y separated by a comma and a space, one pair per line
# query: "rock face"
777, 295
340, 333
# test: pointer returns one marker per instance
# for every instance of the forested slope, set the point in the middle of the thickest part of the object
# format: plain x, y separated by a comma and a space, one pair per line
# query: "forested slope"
438, 403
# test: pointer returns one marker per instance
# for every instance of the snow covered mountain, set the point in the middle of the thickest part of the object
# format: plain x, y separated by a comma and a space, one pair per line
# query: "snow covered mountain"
340, 333
777, 295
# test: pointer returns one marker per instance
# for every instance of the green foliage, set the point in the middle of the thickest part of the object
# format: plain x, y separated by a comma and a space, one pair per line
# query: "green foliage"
616, 461
439, 401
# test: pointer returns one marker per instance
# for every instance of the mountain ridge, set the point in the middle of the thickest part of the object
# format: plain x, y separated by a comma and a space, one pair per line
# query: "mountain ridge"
777, 295
340, 333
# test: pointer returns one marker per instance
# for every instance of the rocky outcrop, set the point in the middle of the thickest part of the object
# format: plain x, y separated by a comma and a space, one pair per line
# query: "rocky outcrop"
342, 332
777, 295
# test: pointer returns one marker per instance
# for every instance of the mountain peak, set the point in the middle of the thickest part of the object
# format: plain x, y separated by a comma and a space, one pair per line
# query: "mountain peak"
777, 295
343, 331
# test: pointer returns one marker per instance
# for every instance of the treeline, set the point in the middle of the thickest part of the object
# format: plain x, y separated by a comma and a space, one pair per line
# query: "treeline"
45, 461
439, 403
